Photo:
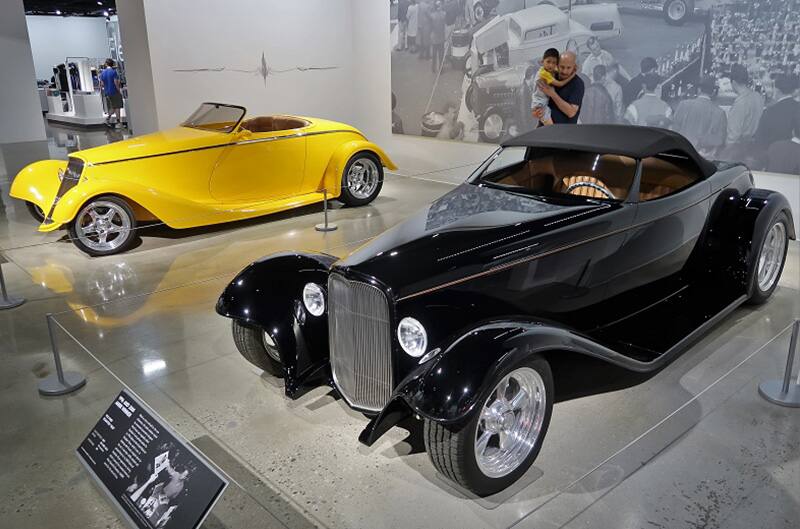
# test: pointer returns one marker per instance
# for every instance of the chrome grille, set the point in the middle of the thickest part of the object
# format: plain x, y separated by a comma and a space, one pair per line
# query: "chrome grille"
360, 342
69, 179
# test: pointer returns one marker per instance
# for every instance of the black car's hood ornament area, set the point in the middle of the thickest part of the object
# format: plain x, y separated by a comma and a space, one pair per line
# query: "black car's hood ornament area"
469, 230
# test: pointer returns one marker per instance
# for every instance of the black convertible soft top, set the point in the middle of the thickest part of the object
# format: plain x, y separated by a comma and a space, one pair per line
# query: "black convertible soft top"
626, 140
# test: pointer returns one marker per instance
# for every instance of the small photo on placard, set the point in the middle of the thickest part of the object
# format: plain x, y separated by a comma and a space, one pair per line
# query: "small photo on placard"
156, 480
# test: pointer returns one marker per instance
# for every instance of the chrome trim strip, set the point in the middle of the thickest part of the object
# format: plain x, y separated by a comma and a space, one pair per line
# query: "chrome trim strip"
512, 264
243, 142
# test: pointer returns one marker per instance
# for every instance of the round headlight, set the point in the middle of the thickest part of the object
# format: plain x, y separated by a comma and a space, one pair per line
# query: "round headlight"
412, 337
314, 299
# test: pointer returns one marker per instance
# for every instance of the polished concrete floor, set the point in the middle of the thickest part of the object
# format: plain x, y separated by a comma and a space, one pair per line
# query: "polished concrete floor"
692, 446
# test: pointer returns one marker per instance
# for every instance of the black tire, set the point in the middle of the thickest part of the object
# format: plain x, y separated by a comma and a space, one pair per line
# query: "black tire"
469, 96
250, 340
452, 450
35, 211
684, 6
759, 296
130, 235
479, 11
347, 196
491, 116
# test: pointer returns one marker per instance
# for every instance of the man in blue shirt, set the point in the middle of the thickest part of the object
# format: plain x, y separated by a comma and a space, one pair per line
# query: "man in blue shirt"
112, 90
565, 102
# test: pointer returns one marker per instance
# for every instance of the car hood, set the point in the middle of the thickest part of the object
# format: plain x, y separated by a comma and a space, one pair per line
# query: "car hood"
470, 230
163, 142
504, 78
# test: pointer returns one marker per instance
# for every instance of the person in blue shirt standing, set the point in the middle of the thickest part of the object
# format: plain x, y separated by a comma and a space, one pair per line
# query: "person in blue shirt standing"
112, 90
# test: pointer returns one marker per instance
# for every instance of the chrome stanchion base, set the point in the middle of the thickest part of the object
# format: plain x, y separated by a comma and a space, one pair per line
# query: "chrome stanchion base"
11, 303
772, 390
326, 227
51, 386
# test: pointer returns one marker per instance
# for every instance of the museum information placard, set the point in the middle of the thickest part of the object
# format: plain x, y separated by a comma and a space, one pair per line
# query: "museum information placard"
156, 480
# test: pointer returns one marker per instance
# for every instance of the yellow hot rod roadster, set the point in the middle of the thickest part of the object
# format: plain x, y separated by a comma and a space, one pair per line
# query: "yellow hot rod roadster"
216, 167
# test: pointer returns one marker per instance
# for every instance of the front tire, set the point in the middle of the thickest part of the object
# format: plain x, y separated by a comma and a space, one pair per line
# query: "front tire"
257, 347
104, 226
766, 268
504, 436
35, 211
677, 12
362, 179
492, 126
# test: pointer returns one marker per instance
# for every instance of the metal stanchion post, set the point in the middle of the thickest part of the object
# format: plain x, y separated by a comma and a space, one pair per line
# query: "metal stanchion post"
62, 382
5, 301
783, 392
325, 226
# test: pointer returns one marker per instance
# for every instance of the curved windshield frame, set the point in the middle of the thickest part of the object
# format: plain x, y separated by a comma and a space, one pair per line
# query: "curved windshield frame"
216, 117
548, 172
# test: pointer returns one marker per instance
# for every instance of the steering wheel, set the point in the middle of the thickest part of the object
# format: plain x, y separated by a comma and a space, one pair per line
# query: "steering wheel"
596, 187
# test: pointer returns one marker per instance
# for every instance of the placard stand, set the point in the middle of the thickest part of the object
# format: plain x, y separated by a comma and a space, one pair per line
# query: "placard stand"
325, 226
62, 382
7, 302
784, 393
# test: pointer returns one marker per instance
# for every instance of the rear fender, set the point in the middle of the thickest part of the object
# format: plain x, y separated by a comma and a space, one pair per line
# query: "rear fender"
337, 163
38, 183
450, 387
268, 293
756, 209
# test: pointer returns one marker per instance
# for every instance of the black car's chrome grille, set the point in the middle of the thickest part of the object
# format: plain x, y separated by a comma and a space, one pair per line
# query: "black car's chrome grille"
360, 342
69, 179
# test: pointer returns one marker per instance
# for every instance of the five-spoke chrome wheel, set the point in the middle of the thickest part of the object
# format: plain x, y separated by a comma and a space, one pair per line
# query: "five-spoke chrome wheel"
770, 259
510, 422
363, 178
103, 225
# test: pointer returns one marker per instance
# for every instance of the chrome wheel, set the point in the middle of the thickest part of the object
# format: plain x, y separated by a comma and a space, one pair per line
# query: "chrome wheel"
271, 348
493, 127
771, 256
676, 10
103, 226
363, 178
510, 423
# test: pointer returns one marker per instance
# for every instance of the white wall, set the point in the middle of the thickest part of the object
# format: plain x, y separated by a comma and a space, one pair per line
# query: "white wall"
53, 39
20, 111
186, 34
372, 72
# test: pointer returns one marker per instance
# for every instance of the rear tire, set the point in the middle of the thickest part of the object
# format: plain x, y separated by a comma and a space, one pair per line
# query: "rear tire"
453, 451
362, 179
35, 211
765, 270
253, 344
677, 12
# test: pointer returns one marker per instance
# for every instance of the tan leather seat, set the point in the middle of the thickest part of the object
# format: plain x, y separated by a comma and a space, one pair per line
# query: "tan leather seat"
662, 177
273, 123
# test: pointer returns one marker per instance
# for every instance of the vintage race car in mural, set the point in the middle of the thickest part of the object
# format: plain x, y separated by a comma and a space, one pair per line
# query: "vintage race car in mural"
614, 242
216, 167
602, 18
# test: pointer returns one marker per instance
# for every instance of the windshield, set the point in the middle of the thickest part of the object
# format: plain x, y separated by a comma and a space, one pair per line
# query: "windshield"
559, 172
216, 117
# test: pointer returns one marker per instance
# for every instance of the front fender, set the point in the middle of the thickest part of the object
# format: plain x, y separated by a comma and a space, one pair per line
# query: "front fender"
268, 294
38, 183
342, 155
450, 387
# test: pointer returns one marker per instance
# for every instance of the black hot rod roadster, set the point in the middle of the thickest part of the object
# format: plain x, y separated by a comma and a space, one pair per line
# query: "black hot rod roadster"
569, 239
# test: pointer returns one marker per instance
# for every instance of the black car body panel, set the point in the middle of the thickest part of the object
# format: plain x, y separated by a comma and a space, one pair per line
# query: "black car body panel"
495, 276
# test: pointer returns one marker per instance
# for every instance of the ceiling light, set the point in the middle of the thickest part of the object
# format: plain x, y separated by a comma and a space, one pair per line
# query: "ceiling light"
99, 3
105, 13
58, 11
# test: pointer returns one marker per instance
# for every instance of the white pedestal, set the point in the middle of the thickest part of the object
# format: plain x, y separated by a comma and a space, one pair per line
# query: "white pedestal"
88, 105
54, 105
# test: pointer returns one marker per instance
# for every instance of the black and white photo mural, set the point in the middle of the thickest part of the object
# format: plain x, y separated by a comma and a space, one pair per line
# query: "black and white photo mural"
725, 73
